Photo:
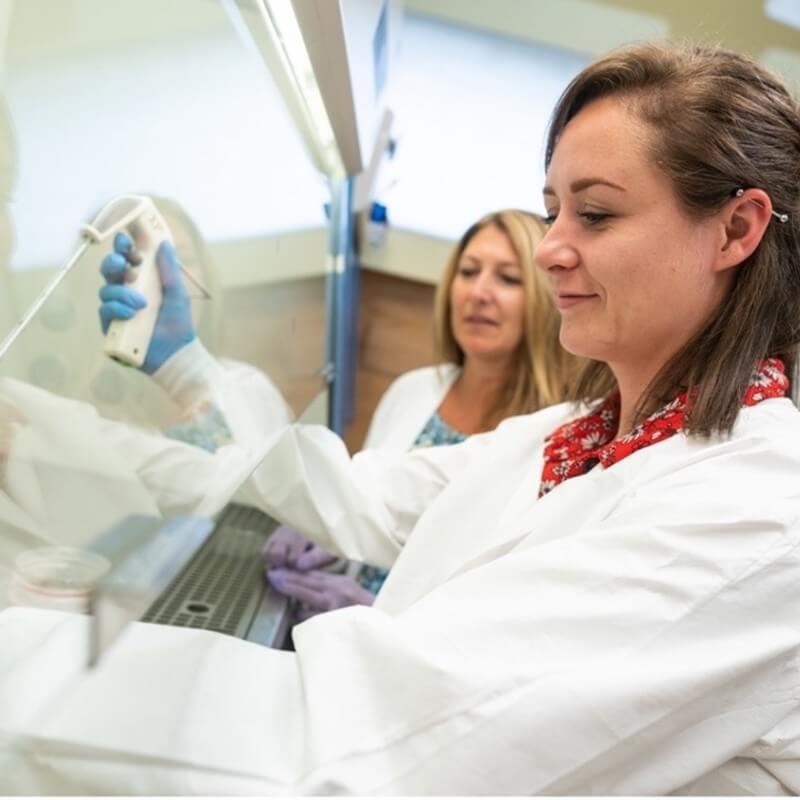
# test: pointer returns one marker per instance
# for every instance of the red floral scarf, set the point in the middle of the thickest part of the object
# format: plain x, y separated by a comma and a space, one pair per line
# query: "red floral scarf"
578, 446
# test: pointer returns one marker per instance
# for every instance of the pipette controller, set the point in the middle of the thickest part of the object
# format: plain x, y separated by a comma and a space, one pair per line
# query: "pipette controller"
128, 340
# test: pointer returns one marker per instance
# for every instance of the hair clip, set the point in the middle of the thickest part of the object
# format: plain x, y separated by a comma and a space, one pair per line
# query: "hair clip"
778, 215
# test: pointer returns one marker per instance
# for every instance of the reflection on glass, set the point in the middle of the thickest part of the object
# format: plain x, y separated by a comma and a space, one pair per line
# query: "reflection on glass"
157, 99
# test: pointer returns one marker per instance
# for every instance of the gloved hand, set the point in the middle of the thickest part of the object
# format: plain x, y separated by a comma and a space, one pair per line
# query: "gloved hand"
288, 548
319, 591
173, 328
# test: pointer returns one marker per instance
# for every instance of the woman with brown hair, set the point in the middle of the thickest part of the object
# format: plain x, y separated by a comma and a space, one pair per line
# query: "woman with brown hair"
498, 355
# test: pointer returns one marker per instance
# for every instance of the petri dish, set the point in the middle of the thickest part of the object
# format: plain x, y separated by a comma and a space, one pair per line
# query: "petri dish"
56, 577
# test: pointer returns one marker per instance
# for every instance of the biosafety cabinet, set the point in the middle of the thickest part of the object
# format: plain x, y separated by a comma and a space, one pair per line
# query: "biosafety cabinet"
253, 129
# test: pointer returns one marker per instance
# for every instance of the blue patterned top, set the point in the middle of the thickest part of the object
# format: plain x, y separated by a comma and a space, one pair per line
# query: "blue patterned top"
207, 430
435, 433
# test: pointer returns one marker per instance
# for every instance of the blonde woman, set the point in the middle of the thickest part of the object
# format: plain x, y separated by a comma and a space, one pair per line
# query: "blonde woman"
498, 355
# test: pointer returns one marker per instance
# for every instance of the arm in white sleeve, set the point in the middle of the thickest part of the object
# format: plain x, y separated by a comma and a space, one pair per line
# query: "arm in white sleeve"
71, 463
192, 376
363, 507
222, 401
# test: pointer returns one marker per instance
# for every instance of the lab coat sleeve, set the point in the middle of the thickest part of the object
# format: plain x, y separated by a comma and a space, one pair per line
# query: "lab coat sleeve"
103, 461
248, 401
184, 479
628, 658
364, 507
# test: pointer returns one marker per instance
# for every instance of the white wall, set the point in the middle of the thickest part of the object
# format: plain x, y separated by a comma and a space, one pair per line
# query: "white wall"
184, 112
472, 109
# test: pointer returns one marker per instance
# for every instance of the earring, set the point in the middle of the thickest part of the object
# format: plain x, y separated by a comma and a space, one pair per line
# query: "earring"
778, 216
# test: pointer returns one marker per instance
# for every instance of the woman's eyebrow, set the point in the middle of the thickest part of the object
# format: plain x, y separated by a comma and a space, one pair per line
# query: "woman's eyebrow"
500, 264
584, 183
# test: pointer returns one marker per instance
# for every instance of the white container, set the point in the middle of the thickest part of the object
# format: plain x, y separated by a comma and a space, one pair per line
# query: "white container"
377, 225
60, 578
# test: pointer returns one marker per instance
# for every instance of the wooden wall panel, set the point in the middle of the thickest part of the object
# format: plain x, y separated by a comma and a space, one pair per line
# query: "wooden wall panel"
395, 334
280, 329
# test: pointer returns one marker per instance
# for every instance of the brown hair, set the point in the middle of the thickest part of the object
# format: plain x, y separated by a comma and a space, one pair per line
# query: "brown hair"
719, 122
542, 368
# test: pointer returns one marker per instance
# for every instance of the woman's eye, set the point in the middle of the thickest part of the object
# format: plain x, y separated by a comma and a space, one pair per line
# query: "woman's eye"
511, 280
594, 217
467, 272
550, 219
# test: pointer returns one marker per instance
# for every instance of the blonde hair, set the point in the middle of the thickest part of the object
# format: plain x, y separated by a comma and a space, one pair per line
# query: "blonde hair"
542, 370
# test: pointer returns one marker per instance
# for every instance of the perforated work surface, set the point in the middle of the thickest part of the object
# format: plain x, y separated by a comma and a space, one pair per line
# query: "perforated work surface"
222, 586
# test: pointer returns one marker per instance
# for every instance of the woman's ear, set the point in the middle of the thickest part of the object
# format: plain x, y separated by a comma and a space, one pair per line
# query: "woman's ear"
744, 221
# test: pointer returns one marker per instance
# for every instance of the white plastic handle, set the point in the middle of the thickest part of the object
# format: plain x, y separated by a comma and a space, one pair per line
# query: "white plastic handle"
93, 232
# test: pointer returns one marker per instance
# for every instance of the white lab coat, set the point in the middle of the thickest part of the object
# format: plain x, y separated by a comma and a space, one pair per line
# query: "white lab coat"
635, 631
407, 405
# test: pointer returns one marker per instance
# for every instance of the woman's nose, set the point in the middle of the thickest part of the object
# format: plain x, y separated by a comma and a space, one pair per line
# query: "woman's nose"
480, 289
555, 251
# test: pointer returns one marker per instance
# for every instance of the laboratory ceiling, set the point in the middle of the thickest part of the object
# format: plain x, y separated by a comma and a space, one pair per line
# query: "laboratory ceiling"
591, 27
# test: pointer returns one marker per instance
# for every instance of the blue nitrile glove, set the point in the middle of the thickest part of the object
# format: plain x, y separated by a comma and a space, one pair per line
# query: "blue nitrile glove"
173, 328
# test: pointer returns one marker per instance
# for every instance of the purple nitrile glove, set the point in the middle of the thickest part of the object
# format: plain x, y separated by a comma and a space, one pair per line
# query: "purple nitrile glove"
288, 548
318, 591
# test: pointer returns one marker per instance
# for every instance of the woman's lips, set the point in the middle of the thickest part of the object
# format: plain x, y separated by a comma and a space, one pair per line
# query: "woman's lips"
479, 321
564, 301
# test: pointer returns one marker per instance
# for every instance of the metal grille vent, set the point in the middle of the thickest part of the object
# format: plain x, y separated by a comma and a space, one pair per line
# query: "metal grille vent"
221, 588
